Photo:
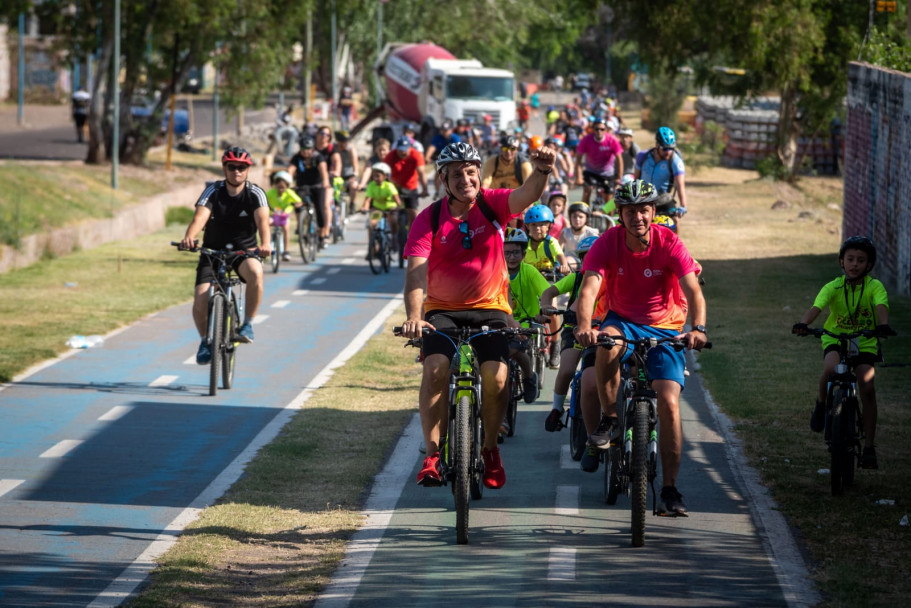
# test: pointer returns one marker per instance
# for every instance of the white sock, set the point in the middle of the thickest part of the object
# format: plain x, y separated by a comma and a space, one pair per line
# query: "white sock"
559, 400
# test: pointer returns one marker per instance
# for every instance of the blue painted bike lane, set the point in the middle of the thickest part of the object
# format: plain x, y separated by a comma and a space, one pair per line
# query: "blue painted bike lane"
100, 451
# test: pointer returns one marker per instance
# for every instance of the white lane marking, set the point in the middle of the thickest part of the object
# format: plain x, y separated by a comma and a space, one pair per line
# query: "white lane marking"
334, 270
162, 380
62, 449
360, 253
387, 489
7, 485
566, 461
567, 502
116, 413
348, 261
259, 319
281, 304
190, 360
561, 564
137, 573
318, 281
300, 292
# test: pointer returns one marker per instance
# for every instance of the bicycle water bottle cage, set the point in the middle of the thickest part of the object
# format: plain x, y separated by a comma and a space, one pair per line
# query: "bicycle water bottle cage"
841, 368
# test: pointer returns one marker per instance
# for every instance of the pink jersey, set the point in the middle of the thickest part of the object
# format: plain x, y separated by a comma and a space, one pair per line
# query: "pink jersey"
557, 227
460, 278
644, 287
600, 155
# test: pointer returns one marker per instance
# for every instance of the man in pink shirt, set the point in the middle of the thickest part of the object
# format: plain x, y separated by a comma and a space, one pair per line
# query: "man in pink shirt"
603, 160
455, 254
651, 286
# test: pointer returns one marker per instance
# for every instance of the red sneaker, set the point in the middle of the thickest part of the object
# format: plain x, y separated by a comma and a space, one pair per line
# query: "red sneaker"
494, 475
430, 472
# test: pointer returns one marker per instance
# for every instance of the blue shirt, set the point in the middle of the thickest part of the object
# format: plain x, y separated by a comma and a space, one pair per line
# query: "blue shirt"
439, 142
656, 172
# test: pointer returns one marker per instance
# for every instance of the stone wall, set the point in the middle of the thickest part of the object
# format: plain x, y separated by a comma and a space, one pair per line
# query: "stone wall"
877, 193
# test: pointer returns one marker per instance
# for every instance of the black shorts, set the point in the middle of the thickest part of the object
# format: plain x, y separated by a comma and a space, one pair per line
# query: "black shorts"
588, 357
596, 179
205, 269
317, 196
488, 348
861, 358
567, 338
409, 198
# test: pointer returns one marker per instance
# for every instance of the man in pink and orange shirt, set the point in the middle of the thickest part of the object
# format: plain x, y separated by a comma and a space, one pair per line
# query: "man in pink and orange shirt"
599, 160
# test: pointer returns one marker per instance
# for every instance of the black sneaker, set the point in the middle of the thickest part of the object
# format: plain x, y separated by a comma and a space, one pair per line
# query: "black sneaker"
554, 421
530, 386
204, 354
671, 502
818, 418
590, 458
868, 459
602, 436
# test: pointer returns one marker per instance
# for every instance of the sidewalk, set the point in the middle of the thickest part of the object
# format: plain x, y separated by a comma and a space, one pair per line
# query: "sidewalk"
36, 117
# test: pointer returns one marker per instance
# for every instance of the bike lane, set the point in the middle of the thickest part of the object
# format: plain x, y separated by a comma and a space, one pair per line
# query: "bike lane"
101, 451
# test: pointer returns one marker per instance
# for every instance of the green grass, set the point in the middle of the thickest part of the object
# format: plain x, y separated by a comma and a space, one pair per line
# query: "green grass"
765, 379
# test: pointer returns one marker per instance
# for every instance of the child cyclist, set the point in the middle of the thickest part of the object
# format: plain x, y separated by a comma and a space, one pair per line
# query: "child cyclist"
556, 202
854, 301
578, 229
570, 351
544, 252
525, 287
282, 201
381, 196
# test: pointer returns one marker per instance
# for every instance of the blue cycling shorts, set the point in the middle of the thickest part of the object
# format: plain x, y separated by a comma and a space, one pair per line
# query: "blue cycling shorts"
663, 362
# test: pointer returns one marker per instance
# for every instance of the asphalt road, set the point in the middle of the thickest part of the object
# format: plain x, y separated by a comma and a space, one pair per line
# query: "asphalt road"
59, 142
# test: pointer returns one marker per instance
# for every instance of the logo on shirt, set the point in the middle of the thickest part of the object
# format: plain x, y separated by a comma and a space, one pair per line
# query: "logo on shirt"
243, 213
649, 273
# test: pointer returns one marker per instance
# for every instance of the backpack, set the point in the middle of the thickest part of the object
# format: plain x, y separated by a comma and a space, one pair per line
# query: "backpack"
548, 252
437, 208
520, 159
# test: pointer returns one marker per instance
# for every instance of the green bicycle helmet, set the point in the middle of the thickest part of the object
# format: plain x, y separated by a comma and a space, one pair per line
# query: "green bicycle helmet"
636, 192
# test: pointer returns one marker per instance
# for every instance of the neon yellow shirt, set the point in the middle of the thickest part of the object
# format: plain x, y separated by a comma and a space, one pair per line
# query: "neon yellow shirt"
284, 203
851, 308
525, 289
382, 195
539, 258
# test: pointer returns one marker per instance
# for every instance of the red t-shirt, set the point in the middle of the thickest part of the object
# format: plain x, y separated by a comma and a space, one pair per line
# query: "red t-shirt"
405, 170
460, 278
643, 287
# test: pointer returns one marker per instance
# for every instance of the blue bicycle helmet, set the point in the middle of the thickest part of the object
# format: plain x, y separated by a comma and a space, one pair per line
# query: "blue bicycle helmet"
538, 214
584, 245
665, 137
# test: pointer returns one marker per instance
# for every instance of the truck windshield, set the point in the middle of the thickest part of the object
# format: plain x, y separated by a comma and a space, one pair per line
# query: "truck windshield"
479, 87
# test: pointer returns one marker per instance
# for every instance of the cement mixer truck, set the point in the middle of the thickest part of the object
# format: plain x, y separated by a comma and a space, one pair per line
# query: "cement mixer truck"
425, 84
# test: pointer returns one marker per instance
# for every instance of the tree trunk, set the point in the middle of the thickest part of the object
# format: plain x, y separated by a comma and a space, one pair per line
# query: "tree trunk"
96, 149
788, 131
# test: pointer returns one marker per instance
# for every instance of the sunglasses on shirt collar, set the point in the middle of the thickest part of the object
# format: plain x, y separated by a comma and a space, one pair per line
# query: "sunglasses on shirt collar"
466, 236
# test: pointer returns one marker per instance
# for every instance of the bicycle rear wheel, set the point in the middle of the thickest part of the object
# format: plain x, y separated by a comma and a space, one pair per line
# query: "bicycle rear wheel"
374, 251
462, 460
639, 471
578, 436
612, 483
477, 462
276, 246
387, 251
512, 406
217, 310
231, 325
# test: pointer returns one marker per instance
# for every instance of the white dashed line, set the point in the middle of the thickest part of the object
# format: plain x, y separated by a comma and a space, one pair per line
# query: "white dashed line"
567, 502
117, 412
349, 261
162, 380
561, 564
360, 253
300, 292
318, 281
190, 360
61, 449
7, 485
281, 304
259, 319
334, 270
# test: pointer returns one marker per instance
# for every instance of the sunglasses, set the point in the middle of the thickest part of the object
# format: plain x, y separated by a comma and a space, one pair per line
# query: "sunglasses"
667, 149
466, 237
236, 168
599, 129
513, 253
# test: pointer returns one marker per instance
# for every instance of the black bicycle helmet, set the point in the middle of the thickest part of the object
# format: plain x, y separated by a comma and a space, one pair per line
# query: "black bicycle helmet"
509, 141
863, 244
635, 193
307, 143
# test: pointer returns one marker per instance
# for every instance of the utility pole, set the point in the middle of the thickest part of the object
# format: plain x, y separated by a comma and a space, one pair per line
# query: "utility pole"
308, 72
20, 113
115, 137
332, 71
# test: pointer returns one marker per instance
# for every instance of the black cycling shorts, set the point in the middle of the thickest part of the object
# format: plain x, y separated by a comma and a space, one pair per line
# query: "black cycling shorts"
488, 348
588, 357
318, 198
409, 198
861, 358
596, 179
205, 269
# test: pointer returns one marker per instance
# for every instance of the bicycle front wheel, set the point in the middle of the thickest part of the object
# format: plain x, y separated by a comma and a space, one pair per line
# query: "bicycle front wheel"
276, 254
387, 251
303, 234
462, 460
217, 310
639, 471
840, 447
373, 254
232, 322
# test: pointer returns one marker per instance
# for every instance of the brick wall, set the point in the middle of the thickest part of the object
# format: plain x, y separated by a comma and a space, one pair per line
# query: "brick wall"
877, 168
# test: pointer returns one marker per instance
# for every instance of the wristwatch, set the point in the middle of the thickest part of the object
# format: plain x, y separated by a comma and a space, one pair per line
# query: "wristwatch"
699, 328
548, 172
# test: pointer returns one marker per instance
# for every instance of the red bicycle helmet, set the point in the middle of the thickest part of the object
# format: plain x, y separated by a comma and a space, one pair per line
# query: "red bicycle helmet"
236, 155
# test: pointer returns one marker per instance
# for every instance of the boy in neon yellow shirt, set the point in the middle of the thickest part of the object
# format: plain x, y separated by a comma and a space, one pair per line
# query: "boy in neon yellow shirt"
381, 195
853, 301
282, 201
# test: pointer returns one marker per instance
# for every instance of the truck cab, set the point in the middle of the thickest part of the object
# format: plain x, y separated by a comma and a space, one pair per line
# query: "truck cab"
457, 88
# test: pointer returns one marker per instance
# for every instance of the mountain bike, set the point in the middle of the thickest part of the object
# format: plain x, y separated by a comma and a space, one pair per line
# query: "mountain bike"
279, 221
844, 427
226, 309
380, 245
631, 461
461, 463
307, 227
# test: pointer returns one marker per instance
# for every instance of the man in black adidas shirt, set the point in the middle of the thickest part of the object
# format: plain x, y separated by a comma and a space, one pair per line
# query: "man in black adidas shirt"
232, 211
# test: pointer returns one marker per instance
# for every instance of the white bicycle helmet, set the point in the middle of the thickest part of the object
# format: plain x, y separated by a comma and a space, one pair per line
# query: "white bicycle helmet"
458, 153
382, 168
517, 236
284, 176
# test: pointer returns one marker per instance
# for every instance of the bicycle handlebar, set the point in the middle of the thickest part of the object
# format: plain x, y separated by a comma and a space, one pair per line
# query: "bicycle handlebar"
606, 341
220, 253
819, 332
471, 332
